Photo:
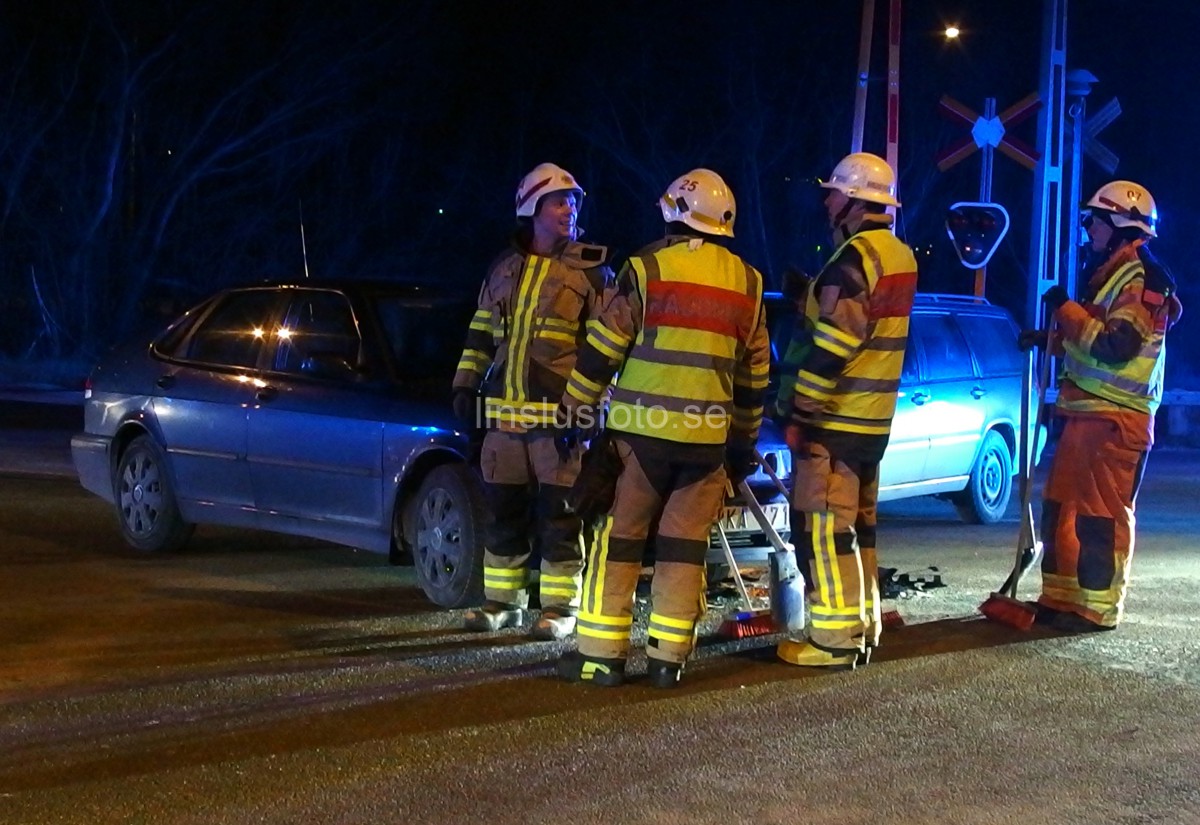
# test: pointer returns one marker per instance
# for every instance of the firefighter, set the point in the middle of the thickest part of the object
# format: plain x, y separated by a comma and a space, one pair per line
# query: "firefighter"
687, 332
520, 348
1112, 343
841, 399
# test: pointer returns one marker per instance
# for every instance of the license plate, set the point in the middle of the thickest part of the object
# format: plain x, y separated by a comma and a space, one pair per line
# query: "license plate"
741, 519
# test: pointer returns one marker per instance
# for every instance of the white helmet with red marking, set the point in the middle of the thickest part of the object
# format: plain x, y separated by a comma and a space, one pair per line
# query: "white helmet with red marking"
544, 179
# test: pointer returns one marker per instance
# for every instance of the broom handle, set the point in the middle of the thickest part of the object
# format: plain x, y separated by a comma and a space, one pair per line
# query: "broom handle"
1027, 537
762, 461
761, 517
733, 568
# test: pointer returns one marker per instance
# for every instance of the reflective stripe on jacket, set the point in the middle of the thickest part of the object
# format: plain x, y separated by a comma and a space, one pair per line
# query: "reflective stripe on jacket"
1135, 384
861, 397
528, 328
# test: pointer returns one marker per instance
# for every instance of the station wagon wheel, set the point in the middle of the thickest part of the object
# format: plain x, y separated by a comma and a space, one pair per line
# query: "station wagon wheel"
147, 511
445, 528
990, 485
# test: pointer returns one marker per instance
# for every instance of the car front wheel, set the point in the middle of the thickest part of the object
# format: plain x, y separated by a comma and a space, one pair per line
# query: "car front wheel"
147, 511
990, 486
445, 529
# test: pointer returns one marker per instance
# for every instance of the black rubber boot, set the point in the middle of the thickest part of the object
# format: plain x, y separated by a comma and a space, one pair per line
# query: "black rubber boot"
575, 667
663, 674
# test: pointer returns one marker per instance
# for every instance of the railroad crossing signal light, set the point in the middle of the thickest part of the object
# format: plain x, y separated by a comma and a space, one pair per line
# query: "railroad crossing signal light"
976, 230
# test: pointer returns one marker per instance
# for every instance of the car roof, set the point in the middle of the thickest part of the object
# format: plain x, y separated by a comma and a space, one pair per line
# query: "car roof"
931, 300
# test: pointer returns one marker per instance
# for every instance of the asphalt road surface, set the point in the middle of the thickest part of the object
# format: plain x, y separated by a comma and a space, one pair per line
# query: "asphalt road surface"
258, 678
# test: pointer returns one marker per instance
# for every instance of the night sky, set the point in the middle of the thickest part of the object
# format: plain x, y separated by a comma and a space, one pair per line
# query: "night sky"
155, 150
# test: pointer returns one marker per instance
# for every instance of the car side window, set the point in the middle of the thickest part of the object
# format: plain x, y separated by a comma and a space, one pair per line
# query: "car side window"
910, 373
319, 336
946, 353
233, 332
994, 342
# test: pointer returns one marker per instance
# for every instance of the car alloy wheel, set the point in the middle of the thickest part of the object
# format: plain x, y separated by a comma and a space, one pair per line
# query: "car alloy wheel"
445, 526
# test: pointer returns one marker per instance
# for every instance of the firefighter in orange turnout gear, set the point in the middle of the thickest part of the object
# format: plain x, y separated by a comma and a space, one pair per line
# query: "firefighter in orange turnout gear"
1113, 348
533, 310
841, 407
687, 332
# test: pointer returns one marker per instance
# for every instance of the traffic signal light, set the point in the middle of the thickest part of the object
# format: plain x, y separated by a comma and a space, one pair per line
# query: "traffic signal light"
976, 230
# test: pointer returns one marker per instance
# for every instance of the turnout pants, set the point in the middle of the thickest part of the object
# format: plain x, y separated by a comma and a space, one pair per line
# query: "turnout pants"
835, 500
1088, 515
685, 498
526, 482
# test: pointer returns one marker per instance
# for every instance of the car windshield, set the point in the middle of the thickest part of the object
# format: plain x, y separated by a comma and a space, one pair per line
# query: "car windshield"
425, 335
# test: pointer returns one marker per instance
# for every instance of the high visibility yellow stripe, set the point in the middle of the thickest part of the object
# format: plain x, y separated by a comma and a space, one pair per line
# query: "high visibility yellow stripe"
681, 624
505, 572
587, 383
559, 323
819, 556
838, 588
612, 635
531, 286
557, 336
568, 592
842, 624
593, 579
502, 584
682, 638
607, 621
603, 347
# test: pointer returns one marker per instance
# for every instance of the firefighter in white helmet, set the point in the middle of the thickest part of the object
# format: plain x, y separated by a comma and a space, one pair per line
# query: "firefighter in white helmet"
534, 307
1112, 342
839, 400
687, 334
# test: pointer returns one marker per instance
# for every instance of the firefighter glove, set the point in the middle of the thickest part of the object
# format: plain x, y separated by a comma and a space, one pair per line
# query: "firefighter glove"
740, 463
566, 440
1055, 296
1030, 338
464, 405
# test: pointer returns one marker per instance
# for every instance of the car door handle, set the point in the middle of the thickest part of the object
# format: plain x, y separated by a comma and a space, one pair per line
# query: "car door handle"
266, 394
978, 392
919, 398
165, 381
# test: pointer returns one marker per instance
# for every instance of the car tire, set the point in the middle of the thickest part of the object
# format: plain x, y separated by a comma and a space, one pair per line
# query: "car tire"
147, 511
445, 528
985, 499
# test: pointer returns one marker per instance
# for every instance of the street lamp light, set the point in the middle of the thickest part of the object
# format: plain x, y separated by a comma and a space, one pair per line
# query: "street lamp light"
952, 32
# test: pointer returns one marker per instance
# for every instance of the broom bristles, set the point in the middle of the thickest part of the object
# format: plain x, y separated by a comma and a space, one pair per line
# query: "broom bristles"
746, 625
1008, 611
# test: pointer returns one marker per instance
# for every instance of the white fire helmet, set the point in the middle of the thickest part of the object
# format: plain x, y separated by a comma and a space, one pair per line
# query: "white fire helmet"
544, 179
866, 177
701, 200
1128, 204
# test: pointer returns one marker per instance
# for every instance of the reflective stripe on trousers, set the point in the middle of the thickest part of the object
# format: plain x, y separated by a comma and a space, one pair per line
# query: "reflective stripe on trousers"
509, 463
836, 503
1088, 518
689, 497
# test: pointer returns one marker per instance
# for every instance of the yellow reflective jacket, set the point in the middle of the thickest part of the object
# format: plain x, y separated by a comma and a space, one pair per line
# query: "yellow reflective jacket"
528, 328
1134, 384
848, 379
687, 332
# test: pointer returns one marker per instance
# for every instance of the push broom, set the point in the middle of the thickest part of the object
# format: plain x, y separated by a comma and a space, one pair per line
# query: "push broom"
786, 613
1003, 606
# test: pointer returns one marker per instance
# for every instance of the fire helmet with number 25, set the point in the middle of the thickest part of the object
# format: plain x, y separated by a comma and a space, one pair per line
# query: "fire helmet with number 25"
1127, 204
544, 179
700, 199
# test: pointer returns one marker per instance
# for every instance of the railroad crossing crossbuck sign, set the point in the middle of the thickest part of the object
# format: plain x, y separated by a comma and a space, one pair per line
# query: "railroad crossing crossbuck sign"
989, 131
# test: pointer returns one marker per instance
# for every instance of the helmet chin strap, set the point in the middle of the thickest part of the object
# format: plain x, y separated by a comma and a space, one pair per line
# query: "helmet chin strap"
842, 230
